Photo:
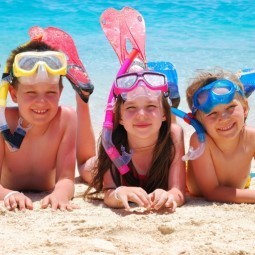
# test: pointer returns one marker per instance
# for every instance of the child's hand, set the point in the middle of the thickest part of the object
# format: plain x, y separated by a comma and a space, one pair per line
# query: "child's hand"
17, 200
161, 198
132, 194
57, 202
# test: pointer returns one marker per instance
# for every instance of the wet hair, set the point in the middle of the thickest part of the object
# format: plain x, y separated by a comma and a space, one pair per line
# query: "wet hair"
36, 46
206, 77
163, 155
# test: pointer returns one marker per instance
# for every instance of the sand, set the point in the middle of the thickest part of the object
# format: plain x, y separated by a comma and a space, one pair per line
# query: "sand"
198, 227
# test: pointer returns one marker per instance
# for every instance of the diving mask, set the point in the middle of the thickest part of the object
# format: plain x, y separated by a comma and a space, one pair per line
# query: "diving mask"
33, 67
218, 92
129, 84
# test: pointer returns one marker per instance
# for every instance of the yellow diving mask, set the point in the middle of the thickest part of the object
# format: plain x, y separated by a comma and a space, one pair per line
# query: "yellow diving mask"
45, 66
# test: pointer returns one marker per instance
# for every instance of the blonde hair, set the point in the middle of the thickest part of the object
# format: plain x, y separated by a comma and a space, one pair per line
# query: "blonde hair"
205, 77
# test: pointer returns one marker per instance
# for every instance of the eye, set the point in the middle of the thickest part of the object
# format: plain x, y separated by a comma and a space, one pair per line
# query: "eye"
52, 92
212, 115
130, 107
30, 92
231, 107
152, 106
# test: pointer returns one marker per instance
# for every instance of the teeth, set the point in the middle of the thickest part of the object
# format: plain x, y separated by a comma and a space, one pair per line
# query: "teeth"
39, 111
226, 128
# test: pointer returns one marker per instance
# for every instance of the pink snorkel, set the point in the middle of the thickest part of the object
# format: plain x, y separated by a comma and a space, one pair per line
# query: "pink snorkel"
118, 28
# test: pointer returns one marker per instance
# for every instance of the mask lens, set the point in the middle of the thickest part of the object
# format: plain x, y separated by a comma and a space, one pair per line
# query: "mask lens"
126, 82
202, 97
221, 90
155, 80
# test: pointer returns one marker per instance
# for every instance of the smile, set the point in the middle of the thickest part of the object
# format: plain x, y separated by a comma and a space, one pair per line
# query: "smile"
39, 111
226, 128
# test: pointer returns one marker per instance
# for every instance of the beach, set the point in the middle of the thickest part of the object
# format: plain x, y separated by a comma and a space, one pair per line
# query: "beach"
193, 35
198, 227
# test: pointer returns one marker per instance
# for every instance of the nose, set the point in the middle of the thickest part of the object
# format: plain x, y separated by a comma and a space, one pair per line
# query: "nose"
41, 99
224, 115
141, 114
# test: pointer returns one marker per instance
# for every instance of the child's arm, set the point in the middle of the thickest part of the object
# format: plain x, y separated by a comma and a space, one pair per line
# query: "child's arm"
208, 184
177, 174
65, 165
12, 199
85, 139
175, 196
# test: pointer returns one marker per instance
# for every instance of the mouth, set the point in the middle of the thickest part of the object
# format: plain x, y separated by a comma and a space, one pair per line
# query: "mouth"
142, 125
39, 111
226, 128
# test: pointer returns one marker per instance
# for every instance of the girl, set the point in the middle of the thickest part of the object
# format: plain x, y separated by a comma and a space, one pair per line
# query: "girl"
142, 124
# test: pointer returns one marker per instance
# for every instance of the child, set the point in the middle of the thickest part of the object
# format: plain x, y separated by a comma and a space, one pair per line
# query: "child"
46, 159
142, 124
217, 100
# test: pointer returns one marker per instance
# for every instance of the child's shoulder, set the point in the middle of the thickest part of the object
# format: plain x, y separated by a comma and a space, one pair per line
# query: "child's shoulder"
250, 133
66, 115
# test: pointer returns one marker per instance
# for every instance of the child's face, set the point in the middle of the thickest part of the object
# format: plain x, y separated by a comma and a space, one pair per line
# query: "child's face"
142, 116
225, 120
38, 103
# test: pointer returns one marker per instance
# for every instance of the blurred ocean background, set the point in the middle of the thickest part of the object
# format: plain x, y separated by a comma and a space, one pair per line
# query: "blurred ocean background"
191, 34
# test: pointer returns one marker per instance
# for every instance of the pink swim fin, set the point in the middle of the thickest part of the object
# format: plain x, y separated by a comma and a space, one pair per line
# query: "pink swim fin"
62, 41
121, 27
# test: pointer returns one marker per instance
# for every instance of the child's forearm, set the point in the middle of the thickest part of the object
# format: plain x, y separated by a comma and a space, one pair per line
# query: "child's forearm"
231, 195
111, 200
65, 188
179, 196
5, 192
86, 145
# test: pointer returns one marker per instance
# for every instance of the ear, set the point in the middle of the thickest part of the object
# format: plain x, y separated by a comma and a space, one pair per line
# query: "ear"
13, 93
246, 108
164, 117
121, 121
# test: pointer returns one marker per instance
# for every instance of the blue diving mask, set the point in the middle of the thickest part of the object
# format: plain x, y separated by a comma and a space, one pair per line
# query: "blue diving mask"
213, 94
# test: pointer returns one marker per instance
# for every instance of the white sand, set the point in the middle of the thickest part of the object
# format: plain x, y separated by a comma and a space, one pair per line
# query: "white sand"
198, 227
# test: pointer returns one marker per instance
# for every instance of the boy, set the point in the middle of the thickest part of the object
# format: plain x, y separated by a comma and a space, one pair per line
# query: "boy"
217, 100
45, 160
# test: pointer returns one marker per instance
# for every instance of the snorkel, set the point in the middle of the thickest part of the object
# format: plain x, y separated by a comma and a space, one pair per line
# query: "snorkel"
120, 26
247, 77
189, 118
172, 80
120, 161
12, 140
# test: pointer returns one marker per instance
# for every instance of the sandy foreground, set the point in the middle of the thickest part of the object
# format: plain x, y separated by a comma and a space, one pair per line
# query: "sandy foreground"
198, 227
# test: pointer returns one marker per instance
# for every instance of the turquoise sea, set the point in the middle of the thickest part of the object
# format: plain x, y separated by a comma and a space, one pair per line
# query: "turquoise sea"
191, 34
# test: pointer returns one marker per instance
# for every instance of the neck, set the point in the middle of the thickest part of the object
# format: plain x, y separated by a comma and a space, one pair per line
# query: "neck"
144, 148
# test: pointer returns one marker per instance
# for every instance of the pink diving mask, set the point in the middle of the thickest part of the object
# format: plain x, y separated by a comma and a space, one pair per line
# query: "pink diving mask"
146, 83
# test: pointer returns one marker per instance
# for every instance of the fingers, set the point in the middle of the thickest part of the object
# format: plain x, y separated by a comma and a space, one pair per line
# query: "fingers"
55, 205
160, 201
17, 200
136, 195
163, 199
171, 203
